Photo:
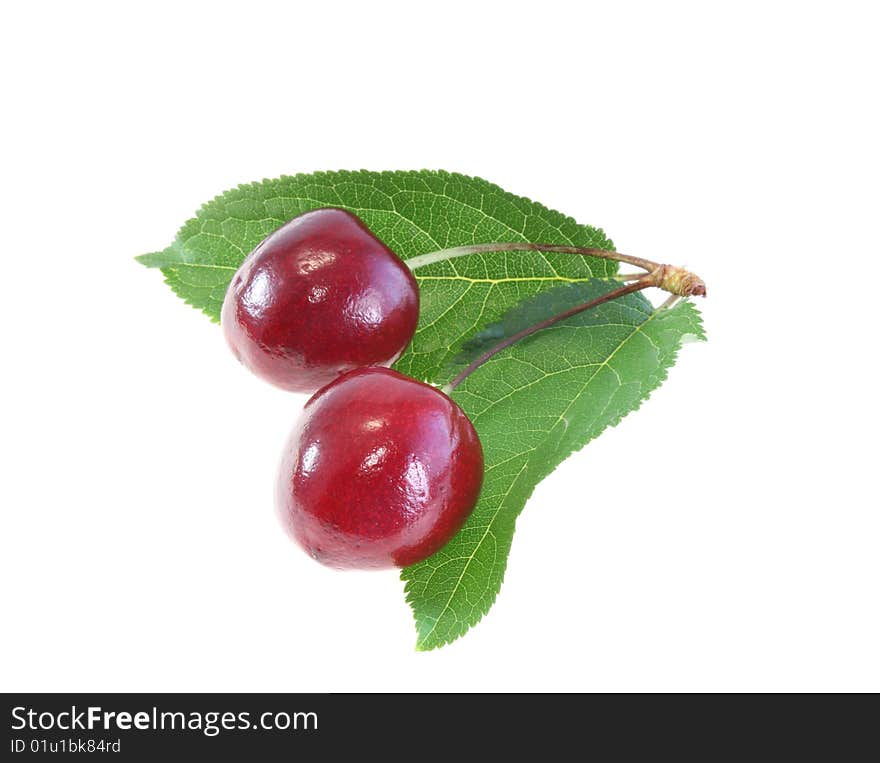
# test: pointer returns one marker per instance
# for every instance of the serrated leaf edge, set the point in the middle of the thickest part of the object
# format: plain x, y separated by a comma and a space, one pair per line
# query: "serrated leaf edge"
353, 175
422, 644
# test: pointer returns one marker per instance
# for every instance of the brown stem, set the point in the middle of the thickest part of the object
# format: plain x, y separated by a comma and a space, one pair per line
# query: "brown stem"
650, 279
522, 246
677, 281
672, 279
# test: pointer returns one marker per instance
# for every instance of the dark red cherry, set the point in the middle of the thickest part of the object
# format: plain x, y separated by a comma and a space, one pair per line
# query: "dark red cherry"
380, 471
320, 296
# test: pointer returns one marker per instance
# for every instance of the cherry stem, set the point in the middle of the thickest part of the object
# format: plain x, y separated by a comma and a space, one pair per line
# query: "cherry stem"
513, 339
675, 280
670, 278
522, 246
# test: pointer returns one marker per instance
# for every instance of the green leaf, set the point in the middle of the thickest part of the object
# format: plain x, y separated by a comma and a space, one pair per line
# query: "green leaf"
533, 405
413, 213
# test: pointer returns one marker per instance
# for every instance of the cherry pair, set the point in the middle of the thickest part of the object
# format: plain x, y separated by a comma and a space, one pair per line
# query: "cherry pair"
381, 470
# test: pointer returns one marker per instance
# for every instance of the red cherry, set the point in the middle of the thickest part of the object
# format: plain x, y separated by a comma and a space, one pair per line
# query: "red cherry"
318, 297
380, 471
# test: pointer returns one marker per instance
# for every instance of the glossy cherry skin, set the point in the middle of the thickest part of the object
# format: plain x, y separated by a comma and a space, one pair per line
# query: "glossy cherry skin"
318, 297
380, 471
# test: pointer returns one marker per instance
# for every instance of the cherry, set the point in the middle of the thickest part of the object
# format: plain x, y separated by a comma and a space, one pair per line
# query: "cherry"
380, 471
318, 297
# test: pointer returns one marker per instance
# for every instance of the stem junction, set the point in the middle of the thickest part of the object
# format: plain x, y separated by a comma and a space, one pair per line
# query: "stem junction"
670, 278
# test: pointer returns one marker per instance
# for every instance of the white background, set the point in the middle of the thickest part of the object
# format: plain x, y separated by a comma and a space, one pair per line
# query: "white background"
724, 537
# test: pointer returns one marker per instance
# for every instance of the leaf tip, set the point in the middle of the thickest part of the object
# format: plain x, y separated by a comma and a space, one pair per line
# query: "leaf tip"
148, 260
